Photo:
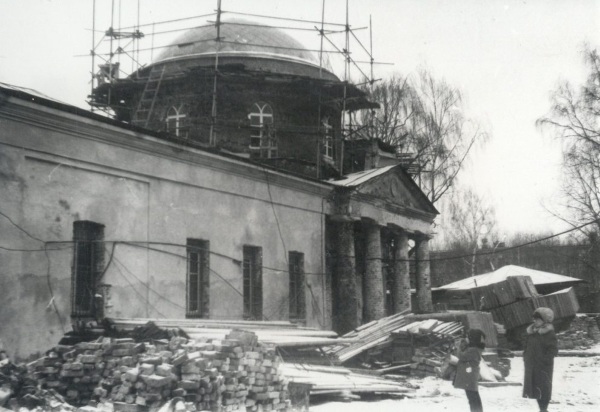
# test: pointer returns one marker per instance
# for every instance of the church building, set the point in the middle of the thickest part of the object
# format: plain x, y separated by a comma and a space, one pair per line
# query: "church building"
220, 188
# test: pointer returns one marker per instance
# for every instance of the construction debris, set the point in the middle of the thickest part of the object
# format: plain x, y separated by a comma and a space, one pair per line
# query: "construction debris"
340, 381
419, 345
230, 374
583, 333
202, 365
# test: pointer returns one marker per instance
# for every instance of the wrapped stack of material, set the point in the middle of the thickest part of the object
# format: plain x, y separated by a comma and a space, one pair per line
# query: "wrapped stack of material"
563, 303
513, 289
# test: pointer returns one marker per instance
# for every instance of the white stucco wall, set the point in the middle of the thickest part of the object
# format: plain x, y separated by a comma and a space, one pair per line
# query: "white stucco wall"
56, 168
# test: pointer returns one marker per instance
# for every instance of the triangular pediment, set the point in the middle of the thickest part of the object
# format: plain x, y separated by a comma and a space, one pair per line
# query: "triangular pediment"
396, 188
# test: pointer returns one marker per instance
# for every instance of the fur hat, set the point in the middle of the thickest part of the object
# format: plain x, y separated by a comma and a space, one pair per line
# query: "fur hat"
476, 338
545, 314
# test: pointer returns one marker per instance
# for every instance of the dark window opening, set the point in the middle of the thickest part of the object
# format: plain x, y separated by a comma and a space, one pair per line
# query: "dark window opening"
197, 283
252, 283
297, 294
88, 265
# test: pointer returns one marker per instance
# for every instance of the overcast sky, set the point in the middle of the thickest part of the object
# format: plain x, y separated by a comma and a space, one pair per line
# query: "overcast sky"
506, 57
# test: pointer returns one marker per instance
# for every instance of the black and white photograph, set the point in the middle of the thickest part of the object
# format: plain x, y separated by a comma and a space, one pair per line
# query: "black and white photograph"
315, 205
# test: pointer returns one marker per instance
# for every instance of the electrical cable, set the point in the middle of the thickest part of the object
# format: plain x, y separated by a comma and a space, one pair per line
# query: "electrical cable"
137, 244
142, 297
28, 250
20, 228
493, 252
275, 215
49, 283
146, 285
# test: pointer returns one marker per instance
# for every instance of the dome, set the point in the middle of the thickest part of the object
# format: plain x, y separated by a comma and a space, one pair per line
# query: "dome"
239, 37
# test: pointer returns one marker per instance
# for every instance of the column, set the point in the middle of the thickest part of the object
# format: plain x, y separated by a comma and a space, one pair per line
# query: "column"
401, 291
424, 302
373, 291
346, 302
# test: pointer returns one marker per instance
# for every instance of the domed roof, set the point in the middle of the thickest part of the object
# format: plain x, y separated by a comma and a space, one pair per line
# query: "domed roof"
238, 37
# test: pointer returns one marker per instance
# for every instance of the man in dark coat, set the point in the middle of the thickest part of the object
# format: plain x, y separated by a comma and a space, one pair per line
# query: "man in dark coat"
540, 349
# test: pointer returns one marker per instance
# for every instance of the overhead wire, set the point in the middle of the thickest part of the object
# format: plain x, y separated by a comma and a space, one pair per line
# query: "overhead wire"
48, 265
146, 285
50, 289
277, 270
238, 261
20, 228
142, 297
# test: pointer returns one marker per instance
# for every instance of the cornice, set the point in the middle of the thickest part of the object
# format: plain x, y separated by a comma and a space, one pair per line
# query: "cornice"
393, 208
55, 120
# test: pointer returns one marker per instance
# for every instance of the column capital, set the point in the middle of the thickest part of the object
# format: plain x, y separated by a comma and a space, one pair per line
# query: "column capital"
422, 237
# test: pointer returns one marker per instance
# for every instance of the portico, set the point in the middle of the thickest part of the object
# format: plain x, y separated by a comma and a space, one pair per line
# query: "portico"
381, 227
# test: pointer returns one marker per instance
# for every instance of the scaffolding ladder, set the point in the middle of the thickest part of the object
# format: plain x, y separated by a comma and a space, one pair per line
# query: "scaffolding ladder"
142, 114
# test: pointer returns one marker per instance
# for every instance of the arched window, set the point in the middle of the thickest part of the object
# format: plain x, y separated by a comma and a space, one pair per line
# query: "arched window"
176, 121
327, 138
262, 135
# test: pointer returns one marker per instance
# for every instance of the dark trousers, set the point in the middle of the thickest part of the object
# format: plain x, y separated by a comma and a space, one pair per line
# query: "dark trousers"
474, 401
543, 404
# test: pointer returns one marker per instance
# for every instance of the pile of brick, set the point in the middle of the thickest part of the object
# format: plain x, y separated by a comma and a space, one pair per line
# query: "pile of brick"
583, 333
235, 373
76, 371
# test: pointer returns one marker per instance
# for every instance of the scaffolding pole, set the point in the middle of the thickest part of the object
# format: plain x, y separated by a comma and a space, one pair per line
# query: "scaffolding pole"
346, 77
93, 50
213, 136
319, 145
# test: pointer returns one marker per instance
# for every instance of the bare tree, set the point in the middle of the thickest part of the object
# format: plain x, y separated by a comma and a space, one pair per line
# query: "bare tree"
575, 118
471, 225
424, 118
398, 105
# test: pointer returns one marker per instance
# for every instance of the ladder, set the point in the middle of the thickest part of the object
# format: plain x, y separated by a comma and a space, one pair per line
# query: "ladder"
141, 116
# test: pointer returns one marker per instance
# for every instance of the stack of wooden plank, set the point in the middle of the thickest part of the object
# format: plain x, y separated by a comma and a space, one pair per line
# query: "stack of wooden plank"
391, 345
486, 297
469, 320
368, 336
280, 333
337, 380
563, 303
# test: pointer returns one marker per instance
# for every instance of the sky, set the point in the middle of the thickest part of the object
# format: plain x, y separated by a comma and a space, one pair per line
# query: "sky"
505, 56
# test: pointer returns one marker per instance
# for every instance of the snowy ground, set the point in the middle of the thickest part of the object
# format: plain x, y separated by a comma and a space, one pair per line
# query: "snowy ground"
576, 389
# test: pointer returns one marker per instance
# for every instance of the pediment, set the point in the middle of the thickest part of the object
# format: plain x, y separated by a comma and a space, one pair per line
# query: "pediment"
396, 188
